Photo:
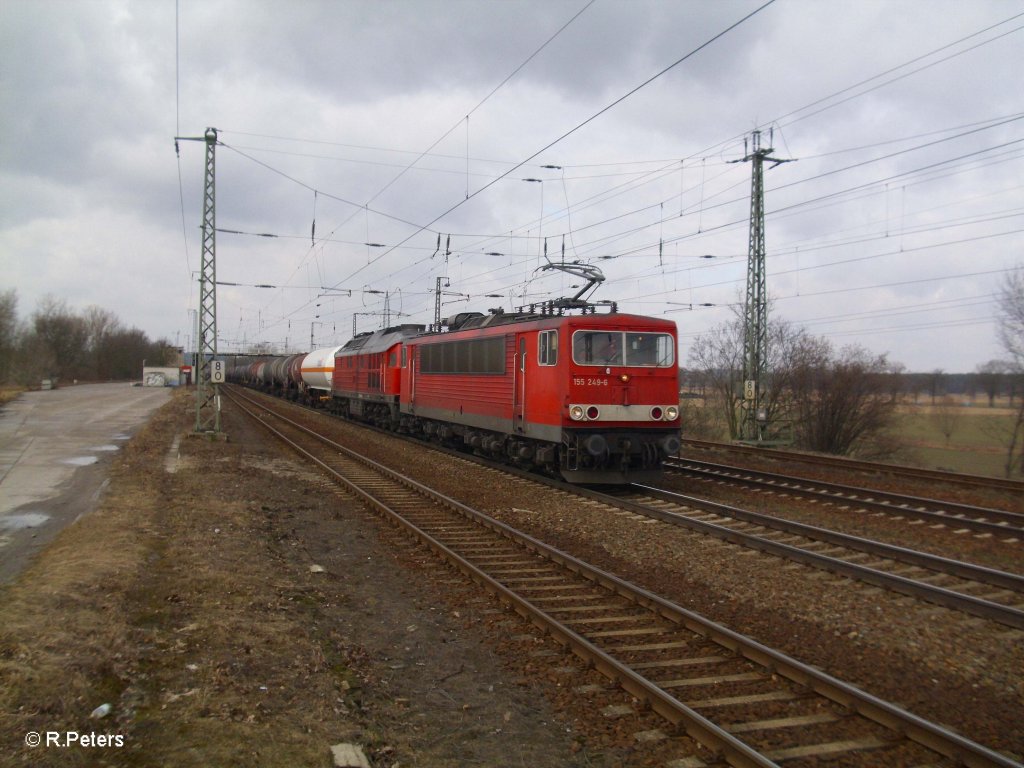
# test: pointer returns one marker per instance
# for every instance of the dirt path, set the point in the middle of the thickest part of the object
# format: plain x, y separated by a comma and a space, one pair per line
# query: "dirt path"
233, 609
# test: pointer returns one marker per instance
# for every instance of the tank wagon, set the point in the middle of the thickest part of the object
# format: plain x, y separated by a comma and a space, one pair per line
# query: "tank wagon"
592, 397
302, 378
316, 371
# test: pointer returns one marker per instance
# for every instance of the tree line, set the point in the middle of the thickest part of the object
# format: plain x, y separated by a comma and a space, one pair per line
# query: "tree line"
56, 342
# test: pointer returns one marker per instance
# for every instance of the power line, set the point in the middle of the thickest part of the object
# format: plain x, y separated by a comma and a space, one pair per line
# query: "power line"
796, 208
568, 133
381, 255
901, 66
322, 193
422, 154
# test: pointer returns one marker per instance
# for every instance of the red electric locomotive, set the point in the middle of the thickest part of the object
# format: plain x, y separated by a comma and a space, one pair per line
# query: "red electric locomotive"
592, 397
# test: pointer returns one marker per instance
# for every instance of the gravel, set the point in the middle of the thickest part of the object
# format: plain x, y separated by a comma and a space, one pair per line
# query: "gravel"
959, 671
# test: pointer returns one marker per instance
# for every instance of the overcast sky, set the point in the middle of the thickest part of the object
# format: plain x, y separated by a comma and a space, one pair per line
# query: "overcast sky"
359, 134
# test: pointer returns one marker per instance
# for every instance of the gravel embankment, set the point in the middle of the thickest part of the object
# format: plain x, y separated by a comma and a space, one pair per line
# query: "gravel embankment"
956, 670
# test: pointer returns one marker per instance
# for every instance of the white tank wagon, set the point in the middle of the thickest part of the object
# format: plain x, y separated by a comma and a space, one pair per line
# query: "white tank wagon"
317, 370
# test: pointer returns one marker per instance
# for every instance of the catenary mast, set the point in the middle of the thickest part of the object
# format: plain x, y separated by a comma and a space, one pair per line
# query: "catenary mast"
209, 373
754, 426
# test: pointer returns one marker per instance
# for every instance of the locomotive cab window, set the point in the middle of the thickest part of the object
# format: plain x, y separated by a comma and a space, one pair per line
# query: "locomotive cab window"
654, 350
650, 349
547, 348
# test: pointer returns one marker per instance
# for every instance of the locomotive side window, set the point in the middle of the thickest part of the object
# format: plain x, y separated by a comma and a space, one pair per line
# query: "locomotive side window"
547, 348
481, 356
655, 350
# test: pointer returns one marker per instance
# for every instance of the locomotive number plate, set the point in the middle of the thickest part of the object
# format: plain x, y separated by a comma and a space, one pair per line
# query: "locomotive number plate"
580, 381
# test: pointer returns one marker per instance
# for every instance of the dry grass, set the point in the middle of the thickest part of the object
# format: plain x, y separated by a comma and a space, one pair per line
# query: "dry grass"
187, 603
65, 638
161, 604
977, 444
9, 393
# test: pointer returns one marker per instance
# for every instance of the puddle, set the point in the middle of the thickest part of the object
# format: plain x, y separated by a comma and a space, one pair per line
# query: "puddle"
26, 520
80, 461
106, 447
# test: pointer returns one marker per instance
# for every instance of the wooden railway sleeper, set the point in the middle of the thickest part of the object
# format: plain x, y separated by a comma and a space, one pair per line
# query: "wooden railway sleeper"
673, 710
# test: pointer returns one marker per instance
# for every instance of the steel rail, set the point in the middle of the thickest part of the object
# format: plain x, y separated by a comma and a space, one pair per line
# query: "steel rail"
967, 516
857, 465
957, 568
1008, 615
736, 752
717, 739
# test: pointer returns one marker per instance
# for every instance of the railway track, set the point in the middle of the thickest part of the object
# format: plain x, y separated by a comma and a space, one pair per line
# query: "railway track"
1007, 526
972, 589
747, 704
855, 465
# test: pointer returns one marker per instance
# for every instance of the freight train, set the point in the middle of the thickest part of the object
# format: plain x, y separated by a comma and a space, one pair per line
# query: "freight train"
592, 397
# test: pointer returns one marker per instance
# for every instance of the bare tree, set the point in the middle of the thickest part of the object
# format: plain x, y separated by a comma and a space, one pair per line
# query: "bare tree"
992, 377
8, 333
59, 343
101, 324
1011, 318
122, 352
936, 384
842, 402
1011, 336
718, 355
834, 404
63, 337
897, 383
946, 416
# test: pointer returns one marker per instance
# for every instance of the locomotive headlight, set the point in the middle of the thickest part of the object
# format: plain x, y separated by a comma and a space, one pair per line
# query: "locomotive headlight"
657, 413
671, 413
625, 378
576, 413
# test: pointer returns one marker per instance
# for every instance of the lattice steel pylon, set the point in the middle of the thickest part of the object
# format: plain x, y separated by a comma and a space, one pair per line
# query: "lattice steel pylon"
754, 421
207, 389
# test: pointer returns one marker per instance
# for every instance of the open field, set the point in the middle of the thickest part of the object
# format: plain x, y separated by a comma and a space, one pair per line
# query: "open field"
976, 444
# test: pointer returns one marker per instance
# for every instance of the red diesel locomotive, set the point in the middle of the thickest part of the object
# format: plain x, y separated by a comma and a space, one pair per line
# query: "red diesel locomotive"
591, 397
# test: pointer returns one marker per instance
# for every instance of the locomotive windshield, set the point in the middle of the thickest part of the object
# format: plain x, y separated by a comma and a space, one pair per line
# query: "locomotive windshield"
653, 350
